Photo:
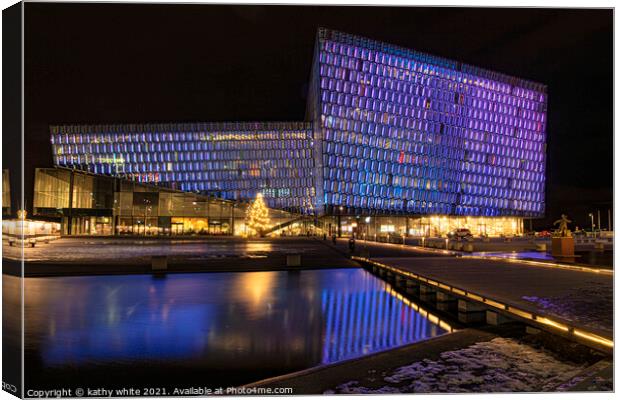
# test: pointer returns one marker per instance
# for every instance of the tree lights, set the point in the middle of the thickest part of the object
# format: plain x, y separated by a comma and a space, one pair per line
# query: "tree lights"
257, 216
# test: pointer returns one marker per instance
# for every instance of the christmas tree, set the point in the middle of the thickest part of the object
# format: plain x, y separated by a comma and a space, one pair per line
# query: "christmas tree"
257, 215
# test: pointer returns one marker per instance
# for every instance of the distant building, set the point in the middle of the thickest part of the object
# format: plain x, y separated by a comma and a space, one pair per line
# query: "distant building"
6, 193
424, 144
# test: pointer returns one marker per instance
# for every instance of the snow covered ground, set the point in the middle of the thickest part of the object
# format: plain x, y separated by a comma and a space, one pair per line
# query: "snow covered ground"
499, 365
589, 305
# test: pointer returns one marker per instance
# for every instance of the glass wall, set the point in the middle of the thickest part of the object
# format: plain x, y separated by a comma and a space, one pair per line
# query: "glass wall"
383, 227
51, 189
410, 133
232, 161
100, 205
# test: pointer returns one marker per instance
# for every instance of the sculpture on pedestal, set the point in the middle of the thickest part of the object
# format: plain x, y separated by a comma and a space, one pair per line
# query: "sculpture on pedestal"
562, 242
563, 230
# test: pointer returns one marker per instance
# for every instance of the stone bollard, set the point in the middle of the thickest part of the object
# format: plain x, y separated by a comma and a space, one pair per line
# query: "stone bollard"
446, 302
427, 293
412, 287
293, 260
468, 247
530, 330
541, 247
470, 312
159, 263
494, 318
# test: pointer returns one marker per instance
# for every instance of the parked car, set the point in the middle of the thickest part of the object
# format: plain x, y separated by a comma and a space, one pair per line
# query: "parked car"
461, 233
544, 234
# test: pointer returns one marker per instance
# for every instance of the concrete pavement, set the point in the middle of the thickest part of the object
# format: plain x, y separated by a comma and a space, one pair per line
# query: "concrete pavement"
95, 256
577, 299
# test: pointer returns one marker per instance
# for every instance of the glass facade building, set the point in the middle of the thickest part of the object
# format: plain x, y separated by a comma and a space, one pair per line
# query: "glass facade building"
89, 204
232, 161
389, 131
405, 132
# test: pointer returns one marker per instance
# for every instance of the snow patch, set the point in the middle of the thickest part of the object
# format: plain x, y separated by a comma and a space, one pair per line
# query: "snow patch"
589, 305
500, 365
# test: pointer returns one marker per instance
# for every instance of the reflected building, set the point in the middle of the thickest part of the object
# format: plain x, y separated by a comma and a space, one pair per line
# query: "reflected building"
224, 329
427, 143
360, 323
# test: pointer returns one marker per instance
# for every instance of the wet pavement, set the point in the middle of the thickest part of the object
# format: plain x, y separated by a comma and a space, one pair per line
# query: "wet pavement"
115, 249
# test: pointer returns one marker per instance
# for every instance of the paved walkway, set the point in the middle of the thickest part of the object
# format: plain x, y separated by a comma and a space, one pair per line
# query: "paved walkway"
577, 298
84, 256
376, 249
126, 249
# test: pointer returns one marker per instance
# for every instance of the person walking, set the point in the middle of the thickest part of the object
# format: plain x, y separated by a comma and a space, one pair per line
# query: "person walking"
352, 245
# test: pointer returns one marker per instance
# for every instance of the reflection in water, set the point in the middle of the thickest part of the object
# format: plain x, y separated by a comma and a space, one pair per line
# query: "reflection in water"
367, 321
253, 324
252, 247
259, 287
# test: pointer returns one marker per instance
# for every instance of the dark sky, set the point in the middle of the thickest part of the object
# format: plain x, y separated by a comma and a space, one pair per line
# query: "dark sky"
105, 63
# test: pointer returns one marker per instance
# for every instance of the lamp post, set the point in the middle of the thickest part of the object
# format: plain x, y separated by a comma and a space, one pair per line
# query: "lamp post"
146, 215
592, 221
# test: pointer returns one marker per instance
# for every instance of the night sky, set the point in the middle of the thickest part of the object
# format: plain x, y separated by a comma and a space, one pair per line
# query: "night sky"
112, 63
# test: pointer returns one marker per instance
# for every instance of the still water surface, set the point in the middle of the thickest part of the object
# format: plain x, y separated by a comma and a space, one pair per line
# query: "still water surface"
208, 329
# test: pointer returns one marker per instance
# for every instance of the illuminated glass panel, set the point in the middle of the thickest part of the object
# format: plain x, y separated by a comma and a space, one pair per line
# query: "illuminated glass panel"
228, 160
406, 132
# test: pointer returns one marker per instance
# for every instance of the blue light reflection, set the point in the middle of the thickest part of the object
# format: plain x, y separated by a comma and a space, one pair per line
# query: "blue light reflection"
229, 320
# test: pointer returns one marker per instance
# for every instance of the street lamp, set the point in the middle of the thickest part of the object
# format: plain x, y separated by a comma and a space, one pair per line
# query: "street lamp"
147, 207
592, 221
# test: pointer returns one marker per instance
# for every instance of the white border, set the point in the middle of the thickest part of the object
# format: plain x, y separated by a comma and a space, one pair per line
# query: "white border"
452, 3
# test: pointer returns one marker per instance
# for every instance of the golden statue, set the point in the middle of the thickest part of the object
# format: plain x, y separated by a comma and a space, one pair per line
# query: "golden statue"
563, 230
22, 214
